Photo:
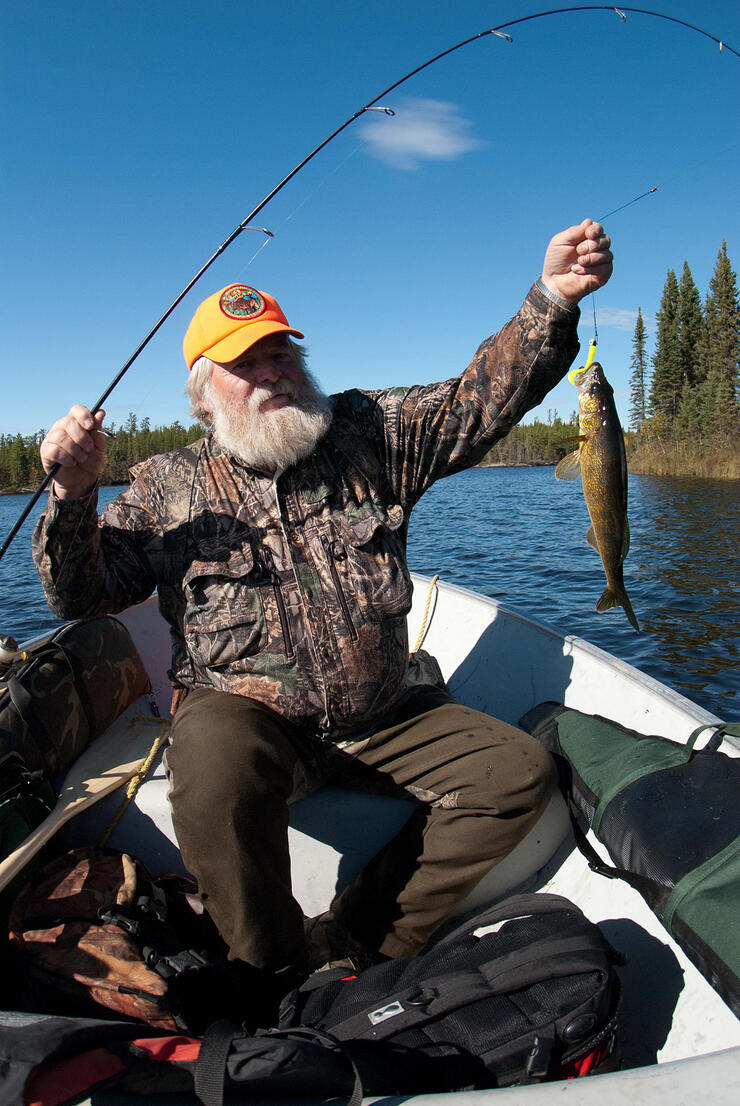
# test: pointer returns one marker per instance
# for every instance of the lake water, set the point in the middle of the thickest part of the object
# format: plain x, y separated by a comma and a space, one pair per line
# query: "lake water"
519, 536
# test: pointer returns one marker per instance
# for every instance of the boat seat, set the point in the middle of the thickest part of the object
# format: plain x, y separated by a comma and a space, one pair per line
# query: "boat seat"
333, 833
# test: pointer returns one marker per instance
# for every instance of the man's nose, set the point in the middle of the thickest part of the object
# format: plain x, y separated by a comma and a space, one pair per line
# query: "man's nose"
266, 371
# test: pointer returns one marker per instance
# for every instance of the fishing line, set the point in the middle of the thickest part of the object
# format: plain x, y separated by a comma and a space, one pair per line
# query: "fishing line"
500, 31
629, 203
256, 253
322, 182
595, 340
309, 195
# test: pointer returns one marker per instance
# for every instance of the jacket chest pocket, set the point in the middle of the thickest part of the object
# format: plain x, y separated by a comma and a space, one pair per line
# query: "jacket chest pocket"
376, 563
224, 622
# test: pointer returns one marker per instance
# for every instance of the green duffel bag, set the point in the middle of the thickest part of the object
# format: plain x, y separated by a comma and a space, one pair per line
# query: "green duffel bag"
25, 800
63, 695
670, 818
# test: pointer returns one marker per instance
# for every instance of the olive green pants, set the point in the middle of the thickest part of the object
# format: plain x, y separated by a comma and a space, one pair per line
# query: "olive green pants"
478, 786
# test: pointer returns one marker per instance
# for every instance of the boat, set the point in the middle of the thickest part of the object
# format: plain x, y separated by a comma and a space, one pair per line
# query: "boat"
679, 1041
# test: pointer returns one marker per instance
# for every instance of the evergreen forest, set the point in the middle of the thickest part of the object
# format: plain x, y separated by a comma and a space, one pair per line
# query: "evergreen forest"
20, 467
685, 399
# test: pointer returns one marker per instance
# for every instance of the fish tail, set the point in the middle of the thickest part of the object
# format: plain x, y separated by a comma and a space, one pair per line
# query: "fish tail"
617, 597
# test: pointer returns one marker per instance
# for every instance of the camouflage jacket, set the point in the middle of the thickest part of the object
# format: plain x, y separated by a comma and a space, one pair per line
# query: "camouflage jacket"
294, 590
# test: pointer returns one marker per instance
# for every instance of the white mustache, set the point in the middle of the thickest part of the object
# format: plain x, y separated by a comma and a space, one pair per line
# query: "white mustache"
281, 387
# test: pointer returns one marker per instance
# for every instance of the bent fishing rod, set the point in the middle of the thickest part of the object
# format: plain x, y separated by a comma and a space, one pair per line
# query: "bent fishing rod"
500, 31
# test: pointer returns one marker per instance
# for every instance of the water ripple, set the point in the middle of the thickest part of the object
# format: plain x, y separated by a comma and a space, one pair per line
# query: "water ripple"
529, 537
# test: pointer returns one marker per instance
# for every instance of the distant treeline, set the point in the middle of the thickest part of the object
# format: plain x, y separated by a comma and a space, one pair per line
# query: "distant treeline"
20, 467
537, 443
685, 399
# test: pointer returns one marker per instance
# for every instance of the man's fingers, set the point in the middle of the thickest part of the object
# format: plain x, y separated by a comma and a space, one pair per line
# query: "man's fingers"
598, 242
61, 447
81, 415
592, 229
592, 261
571, 236
600, 269
593, 253
74, 439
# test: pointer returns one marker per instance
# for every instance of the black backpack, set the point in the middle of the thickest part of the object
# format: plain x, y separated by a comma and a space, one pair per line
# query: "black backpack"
523, 992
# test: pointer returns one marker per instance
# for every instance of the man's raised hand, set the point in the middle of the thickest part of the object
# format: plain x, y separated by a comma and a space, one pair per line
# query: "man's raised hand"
578, 261
75, 443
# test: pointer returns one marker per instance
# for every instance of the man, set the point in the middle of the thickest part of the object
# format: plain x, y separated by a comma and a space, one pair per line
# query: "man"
277, 546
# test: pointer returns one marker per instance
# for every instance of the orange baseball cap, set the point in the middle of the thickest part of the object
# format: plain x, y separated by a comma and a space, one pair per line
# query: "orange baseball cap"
232, 320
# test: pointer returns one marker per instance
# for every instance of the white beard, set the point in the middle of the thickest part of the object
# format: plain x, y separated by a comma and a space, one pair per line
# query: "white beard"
270, 440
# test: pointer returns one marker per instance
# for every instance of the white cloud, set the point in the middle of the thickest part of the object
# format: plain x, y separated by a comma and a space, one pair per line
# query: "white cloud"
617, 317
421, 130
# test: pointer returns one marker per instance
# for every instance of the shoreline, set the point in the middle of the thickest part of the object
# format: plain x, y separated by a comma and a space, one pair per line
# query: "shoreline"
31, 490
709, 468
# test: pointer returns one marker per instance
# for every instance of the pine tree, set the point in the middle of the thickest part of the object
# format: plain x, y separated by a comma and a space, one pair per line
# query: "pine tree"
723, 321
690, 326
688, 424
665, 393
638, 363
717, 406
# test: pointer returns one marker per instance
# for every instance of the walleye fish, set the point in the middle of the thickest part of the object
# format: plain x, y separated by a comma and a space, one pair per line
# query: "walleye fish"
600, 457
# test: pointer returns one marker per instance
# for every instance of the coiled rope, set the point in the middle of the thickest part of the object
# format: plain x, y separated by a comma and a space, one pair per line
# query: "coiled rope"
140, 773
425, 617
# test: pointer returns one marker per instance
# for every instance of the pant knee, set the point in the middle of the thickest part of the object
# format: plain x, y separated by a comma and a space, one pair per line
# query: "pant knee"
226, 758
510, 772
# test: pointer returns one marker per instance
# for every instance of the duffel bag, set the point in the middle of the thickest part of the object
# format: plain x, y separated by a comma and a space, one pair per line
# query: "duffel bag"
54, 702
54, 1061
669, 816
25, 800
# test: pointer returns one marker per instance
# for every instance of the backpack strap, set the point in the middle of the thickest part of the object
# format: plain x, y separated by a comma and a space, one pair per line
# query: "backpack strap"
646, 887
720, 731
210, 1067
442, 994
23, 701
328, 1040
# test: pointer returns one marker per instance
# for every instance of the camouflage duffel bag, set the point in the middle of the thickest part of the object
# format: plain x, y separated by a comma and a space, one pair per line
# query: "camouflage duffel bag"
67, 692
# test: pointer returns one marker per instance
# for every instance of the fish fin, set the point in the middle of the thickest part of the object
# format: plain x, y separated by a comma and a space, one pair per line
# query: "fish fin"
591, 539
625, 540
613, 598
569, 467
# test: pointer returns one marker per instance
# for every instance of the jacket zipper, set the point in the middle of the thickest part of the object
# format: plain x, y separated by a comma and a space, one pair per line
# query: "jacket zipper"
283, 615
277, 591
346, 613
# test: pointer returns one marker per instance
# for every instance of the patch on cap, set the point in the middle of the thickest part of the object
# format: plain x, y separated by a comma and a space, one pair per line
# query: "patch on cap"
241, 302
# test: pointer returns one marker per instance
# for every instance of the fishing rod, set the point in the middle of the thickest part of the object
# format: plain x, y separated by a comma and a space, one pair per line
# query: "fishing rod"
499, 31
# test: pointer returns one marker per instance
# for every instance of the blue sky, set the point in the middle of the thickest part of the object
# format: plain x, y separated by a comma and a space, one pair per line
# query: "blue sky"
135, 137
